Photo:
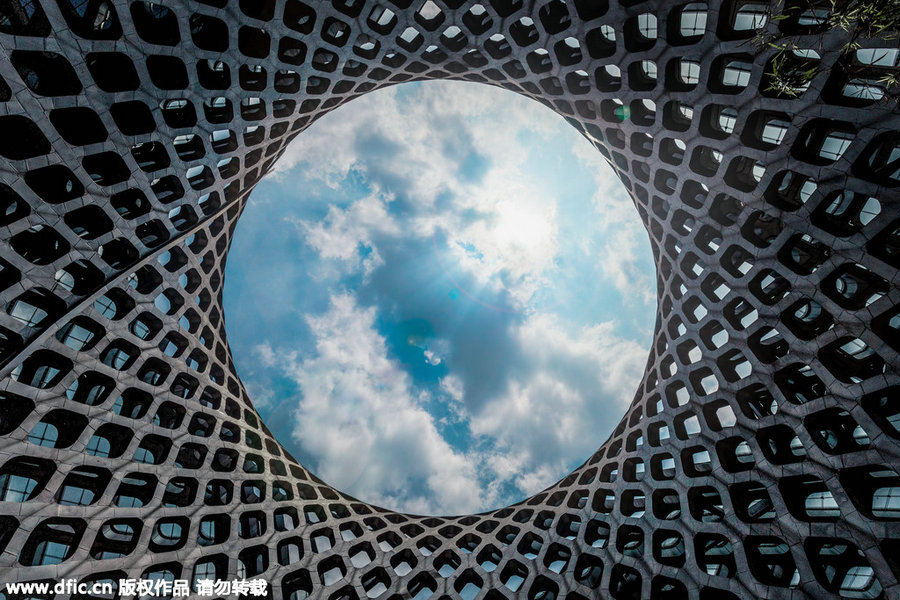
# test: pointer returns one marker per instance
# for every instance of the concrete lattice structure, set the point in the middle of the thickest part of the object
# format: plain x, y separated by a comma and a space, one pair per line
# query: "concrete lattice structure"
759, 456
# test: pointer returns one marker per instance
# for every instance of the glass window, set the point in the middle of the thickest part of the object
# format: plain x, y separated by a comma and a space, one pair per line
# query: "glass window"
141, 329
690, 72
49, 552
835, 144
73, 495
280, 492
862, 89
736, 73
44, 434
27, 313
44, 376
98, 446
105, 306
858, 579
647, 25
163, 303
142, 455
727, 119
812, 17
178, 492
204, 571
250, 526
285, 521
27, 7
167, 533
75, 336
774, 131
154, 576
65, 279
117, 358
693, 19
16, 488
886, 502
126, 501
750, 16
879, 57
870, 210
821, 505
207, 533
118, 531
289, 553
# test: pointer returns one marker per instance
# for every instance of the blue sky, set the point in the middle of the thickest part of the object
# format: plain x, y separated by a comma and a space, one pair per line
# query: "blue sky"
442, 299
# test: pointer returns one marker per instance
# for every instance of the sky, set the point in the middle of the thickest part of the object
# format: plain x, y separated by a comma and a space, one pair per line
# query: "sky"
441, 300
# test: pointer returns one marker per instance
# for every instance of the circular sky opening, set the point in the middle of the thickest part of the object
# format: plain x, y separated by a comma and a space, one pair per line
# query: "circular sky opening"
442, 300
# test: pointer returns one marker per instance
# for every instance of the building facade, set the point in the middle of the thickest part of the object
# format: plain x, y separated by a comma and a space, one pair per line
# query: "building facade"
759, 457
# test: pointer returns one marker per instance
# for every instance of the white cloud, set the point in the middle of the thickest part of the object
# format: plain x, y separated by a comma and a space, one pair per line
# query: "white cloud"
619, 262
263, 397
344, 233
515, 240
341, 232
571, 387
365, 425
265, 354
359, 414
624, 251
517, 244
330, 148
371, 434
